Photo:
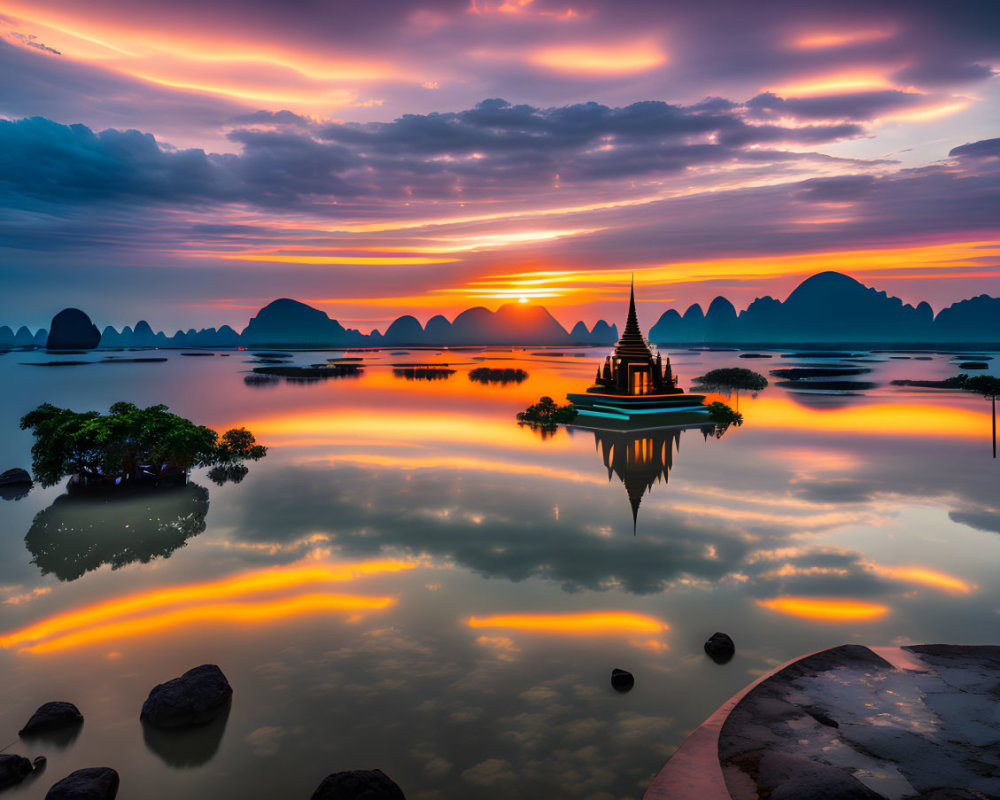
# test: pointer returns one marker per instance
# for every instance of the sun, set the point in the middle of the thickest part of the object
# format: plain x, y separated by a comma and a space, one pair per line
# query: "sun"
523, 300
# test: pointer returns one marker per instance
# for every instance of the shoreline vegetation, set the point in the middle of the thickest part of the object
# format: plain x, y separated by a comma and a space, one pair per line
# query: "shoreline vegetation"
131, 445
546, 413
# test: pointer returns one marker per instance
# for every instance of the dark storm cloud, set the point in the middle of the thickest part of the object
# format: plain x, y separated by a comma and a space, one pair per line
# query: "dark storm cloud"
984, 148
495, 143
843, 188
856, 106
283, 117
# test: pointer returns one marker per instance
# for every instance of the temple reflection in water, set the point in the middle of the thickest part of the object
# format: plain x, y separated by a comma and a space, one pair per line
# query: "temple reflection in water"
641, 460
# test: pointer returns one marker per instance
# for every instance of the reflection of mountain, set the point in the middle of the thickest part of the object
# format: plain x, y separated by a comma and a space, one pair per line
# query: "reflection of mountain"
638, 459
75, 535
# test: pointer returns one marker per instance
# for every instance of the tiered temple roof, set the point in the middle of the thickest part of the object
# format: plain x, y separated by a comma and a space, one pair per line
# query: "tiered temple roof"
633, 370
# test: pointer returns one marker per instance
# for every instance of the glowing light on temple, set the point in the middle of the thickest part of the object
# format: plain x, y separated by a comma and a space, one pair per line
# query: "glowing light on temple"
826, 609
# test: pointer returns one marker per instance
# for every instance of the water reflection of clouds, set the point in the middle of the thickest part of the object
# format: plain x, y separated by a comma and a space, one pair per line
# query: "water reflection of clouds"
502, 525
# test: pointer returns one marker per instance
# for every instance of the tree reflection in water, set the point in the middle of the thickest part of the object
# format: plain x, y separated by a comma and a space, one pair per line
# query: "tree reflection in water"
80, 533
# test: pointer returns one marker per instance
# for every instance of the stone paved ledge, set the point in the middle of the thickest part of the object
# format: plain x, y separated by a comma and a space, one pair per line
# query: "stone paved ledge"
851, 722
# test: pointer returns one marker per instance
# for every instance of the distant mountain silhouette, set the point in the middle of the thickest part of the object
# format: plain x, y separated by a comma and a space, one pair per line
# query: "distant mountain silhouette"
289, 322
71, 329
826, 307
831, 307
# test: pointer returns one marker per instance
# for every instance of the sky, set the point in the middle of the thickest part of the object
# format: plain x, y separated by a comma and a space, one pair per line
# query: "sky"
187, 162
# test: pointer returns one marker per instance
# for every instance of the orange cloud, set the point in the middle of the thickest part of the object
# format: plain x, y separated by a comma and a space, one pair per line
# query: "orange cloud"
598, 59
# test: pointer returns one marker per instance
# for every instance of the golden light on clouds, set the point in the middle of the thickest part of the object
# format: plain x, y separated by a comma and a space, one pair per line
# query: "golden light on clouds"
839, 83
597, 59
829, 39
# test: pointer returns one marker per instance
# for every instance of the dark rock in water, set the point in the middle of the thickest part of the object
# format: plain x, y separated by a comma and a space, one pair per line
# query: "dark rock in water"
358, 784
71, 329
622, 680
15, 477
52, 716
720, 648
823, 719
13, 769
15, 484
92, 783
195, 698
184, 748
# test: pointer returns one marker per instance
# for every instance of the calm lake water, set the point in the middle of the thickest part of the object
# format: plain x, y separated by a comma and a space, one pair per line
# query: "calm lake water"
412, 582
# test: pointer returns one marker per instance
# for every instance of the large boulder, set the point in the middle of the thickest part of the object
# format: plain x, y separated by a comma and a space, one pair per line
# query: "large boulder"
13, 769
195, 698
15, 477
71, 329
622, 680
720, 648
358, 784
54, 716
92, 783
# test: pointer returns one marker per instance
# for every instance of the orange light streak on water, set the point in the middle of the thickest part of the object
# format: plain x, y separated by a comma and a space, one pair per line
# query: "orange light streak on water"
214, 613
926, 577
912, 420
826, 609
580, 624
257, 582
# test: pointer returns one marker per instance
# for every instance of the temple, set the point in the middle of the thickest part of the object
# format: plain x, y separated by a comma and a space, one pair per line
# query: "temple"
635, 389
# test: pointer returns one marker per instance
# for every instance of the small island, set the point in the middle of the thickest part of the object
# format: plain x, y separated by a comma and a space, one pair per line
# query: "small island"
489, 375
128, 446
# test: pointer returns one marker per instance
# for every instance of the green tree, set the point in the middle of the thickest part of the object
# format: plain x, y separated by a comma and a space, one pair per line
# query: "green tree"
988, 387
546, 413
126, 441
238, 444
731, 379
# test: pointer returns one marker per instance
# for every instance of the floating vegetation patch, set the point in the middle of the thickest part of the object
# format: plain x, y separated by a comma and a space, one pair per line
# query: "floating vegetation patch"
491, 375
270, 354
116, 360
798, 373
423, 373
956, 382
827, 386
546, 353
344, 360
973, 365
198, 354
822, 354
311, 373
755, 355
261, 380
56, 363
